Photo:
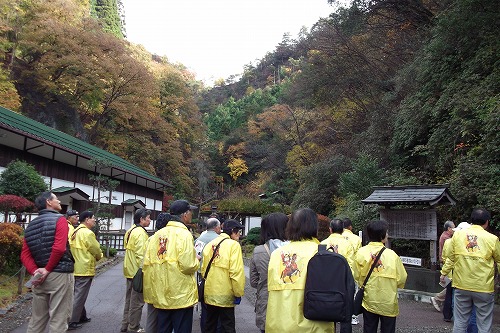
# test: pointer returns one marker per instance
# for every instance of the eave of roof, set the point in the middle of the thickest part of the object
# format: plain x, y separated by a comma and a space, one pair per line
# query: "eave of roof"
134, 202
52, 137
72, 192
431, 195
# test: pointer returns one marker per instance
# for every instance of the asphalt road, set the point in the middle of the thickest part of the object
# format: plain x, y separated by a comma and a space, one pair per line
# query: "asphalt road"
105, 307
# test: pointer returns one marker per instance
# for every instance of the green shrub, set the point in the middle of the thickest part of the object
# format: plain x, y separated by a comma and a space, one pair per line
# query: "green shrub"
253, 237
112, 251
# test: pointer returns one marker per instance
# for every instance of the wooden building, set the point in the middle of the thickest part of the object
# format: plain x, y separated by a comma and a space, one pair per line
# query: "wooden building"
63, 161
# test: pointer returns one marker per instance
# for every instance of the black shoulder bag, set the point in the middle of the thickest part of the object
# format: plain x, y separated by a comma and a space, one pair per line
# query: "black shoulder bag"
358, 299
201, 284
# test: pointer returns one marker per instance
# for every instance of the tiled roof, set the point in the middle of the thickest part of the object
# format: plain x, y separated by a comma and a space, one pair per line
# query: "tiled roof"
411, 195
53, 137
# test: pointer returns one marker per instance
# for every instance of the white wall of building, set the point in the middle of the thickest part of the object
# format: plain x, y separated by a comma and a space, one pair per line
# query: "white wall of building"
116, 199
252, 222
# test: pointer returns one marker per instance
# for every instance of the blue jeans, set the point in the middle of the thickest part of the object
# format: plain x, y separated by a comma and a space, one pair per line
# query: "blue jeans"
472, 326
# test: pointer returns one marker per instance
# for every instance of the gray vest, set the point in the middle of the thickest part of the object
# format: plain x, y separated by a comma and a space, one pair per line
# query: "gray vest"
39, 236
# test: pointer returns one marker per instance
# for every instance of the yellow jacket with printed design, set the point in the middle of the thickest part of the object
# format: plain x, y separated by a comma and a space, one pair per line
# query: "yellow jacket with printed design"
353, 239
226, 277
381, 290
169, 268
85, 249
135, 243
341, 246
471, 255
286, 280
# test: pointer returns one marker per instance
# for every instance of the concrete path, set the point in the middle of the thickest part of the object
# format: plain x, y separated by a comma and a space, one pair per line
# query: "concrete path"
105, 307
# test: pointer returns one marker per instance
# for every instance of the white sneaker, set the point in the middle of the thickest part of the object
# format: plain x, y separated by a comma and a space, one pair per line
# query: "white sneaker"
435, 304
354, 320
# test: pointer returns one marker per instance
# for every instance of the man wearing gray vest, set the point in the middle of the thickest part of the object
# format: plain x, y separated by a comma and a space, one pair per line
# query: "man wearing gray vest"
46, 255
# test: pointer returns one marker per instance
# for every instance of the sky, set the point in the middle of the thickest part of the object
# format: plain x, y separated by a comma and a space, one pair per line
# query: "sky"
216, 38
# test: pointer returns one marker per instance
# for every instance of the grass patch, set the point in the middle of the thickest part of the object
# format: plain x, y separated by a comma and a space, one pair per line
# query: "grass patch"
8, 289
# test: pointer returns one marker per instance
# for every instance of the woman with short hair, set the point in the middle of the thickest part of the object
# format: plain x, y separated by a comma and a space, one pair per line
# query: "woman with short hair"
287, 277
380, 301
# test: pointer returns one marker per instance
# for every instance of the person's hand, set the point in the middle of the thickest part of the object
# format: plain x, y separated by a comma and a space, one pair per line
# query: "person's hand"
237, 300
43, 273
441, 278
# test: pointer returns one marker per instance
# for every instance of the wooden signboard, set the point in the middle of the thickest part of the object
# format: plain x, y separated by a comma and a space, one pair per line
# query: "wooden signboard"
411, 224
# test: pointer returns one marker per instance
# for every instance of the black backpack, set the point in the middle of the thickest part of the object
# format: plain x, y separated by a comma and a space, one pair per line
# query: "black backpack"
329, 290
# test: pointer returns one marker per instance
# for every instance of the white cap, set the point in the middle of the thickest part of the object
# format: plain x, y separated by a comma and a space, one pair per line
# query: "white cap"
462, 226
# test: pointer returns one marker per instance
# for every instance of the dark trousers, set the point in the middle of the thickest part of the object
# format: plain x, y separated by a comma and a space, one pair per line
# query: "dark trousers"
179, 320
370, 323
226, 317
346, 327
203, 318
447, 306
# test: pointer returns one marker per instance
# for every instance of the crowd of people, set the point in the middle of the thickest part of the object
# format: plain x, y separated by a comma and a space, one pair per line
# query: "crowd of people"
61, 255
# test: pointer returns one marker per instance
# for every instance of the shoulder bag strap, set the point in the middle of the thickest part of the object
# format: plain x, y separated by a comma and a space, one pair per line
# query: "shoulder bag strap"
128, 236
267, 249
212, 259
73, 235
373, 266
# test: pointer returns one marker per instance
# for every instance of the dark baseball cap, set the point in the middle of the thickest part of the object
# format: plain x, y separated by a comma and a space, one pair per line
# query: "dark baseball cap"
232, 224
71, 212
179, 207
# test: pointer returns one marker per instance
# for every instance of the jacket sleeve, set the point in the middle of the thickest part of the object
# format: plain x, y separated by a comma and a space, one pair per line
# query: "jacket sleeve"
140, 247
236, 270
254, 274
93, 246
188, 263
400, 273
27, 258
496, 254
350, 259
450, 260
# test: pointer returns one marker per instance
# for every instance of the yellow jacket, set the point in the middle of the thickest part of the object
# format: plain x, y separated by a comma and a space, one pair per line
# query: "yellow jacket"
445, 253
85, 249
169, 268
355, 240
135, 243
341, 246
286, 278
381, 290
70, 231
471, 256
226, 277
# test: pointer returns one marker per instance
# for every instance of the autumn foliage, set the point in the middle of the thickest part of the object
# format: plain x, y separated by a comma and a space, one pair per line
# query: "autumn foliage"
13, 203
11, 242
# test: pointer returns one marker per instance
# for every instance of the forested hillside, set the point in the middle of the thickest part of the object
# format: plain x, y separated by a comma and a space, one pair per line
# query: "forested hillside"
74, 72
382, 92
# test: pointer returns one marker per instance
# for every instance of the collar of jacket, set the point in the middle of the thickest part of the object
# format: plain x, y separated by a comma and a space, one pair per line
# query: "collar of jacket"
177, 224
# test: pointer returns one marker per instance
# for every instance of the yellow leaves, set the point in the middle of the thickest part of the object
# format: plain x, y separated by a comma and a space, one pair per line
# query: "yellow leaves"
237, 167
301, 156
